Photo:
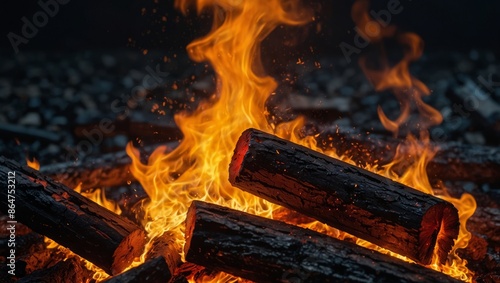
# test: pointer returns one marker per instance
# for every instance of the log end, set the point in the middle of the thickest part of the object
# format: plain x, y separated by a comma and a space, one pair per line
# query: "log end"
130, 248
439, 229
240, 151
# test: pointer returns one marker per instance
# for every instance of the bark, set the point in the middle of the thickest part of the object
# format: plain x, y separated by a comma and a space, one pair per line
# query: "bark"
354, 200
166, 247
465, 93
265, 250
68, 271
452, 162
56, 211
9, 131
107, 170
152, 271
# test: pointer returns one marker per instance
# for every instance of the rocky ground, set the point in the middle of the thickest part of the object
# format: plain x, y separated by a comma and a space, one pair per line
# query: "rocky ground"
64, 107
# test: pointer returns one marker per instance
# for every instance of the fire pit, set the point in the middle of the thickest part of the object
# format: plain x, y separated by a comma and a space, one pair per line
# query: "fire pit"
376, 162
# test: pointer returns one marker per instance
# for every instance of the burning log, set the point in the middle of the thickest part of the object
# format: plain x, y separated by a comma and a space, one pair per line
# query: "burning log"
52, 209
107, 170
364, 204
133, 127
265, 250
166, 247
162, 261
452, 162
68, 271
152, 271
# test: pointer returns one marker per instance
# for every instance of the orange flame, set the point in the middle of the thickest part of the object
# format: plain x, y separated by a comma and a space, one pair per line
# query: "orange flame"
99, 197
413, 155
33, 163
198, 168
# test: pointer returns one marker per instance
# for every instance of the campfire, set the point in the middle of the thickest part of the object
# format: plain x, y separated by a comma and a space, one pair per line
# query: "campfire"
245, 196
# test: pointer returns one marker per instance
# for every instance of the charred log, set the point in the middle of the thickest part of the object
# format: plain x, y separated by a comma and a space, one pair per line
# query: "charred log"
68, 271
107, 170
56, 211
162, 260
152, 271
166, 247
364, 204
27, 134
452, 162
142, 127
265, 250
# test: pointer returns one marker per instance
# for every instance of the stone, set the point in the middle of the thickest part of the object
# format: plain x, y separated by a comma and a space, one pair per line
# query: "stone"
31, 119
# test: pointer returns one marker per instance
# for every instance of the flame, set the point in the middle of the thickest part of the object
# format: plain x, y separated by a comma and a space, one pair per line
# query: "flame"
197, 168
98, 196
412, 155
33, 164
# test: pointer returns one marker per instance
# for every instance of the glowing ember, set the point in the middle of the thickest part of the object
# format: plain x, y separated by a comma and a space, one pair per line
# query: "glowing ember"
197, 168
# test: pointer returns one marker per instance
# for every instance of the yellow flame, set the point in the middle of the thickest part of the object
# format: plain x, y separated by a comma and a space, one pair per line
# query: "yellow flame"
99, 196
33, 163
198, 168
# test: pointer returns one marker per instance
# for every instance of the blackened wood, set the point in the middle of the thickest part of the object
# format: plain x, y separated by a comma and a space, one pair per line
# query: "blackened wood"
148, 127
265, 250
58, 212
452, 162
154, 270
486, 221
364, 204
107, 170
8, 131
68, 271
459, 162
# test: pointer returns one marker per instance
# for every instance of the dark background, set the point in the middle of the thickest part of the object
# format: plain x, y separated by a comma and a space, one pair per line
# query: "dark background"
132, 24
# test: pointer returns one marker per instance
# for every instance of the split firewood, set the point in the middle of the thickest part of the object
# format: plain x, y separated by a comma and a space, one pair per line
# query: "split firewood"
265, 250
354, 200
58, 212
